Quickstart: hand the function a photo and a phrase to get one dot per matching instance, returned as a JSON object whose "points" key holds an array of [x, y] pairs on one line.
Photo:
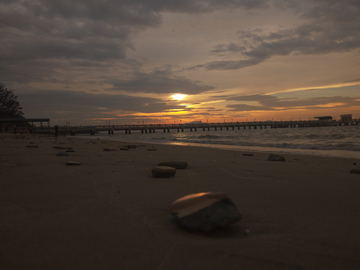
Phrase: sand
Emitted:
{"points": [[110, 213]]}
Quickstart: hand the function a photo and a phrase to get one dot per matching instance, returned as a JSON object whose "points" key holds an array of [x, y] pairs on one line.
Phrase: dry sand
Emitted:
{"points": [[109, 213]]}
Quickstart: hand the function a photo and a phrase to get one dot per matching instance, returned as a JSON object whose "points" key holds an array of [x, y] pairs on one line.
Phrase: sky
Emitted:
{"points": [[88, 62]]}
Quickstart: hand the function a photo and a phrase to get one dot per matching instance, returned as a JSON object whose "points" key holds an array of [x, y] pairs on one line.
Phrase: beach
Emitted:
{"points": [[110, 213]]}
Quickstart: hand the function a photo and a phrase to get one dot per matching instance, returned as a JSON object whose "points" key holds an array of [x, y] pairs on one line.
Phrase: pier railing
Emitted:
{"points": [[179, 127]]}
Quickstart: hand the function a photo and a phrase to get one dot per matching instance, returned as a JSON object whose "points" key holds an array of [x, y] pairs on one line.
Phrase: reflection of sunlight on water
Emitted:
{"points": [[180, 143]]}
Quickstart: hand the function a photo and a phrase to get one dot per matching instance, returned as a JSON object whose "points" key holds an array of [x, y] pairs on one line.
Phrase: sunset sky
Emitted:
{"points": [[154, 61]]}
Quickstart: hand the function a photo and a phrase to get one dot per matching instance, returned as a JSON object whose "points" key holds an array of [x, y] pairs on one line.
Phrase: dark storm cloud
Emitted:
{"points": [[39, 38], [330, 26], [43, 26], [271, 103], [33, 14], [159, 81], [198, 6], [94, 49]]}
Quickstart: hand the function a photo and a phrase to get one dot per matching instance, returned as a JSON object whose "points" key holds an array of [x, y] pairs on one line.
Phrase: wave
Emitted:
{"points": [[209, 137], [299, 139], [283, 145], [158, 139]]}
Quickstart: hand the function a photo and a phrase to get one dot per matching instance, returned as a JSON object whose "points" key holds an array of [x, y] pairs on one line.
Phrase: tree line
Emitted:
{"points": [[9, 104]]}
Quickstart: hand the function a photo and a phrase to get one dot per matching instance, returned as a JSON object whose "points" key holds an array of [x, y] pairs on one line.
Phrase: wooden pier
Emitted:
{"points": [[166, 128]]}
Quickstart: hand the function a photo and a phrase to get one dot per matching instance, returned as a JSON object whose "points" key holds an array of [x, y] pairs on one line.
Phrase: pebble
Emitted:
{"points": [[163, 171], [62, 147], [273, 157], [108, 149], [204, 211], [73, 163], [357, 171]]}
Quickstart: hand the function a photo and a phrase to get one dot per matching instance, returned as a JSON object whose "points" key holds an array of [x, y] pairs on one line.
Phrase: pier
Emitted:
{"points": [[191, 127]]}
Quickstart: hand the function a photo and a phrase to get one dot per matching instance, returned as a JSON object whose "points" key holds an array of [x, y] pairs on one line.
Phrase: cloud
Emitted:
{"points": [[330, 26], [159, 81], [99, 46], [227, 65], [94, 104], [351, 81], [273, 103], [89, 29], [201, 6], [231, 47], [39, 38]]}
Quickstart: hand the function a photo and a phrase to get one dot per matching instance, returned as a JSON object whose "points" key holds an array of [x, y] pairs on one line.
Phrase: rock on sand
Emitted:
{"points": [[273, 157], [163, 171], [73, 163], [174, 164], [204, 211]]}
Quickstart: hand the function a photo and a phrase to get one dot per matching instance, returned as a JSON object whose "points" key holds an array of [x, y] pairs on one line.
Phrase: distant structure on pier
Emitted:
{"points": [[322, 118], [346, 118], [23, 122]]}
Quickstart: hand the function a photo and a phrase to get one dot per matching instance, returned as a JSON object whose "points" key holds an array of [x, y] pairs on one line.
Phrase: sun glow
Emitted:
{"points": [[178, 96]]}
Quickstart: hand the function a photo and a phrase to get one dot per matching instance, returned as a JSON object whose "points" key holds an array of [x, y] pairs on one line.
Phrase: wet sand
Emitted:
{"points": [[110, 213]]}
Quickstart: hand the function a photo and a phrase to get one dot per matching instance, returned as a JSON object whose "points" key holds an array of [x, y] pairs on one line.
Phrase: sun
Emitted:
{"points": [[178, 96]]}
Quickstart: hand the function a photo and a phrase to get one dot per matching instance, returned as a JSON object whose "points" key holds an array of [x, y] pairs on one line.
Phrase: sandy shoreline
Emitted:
{"points": [[109, 213]]}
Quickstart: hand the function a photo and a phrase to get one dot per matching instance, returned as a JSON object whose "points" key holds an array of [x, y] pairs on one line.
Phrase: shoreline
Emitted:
{"points": [[257, 149], [110, 213]]}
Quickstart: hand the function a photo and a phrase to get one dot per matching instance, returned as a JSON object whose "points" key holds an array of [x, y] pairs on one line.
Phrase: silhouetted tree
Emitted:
{"points": [[9, 105]]}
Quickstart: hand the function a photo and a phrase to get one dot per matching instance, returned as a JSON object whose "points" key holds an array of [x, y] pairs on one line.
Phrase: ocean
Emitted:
{"points": [[333, 141]]}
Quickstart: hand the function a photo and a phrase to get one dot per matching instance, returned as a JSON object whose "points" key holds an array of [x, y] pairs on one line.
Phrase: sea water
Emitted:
{"points": [[334, 141]]}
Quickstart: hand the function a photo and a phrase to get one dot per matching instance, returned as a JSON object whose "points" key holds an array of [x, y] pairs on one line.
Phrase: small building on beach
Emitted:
{"points": [[346, 118], [323, 118], [23, 122]]}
